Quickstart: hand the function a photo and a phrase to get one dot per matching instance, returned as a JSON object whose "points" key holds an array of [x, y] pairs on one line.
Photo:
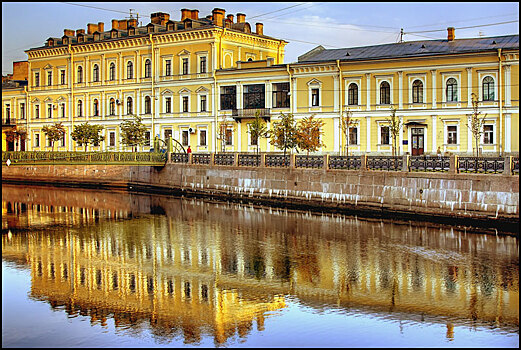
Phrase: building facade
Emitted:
{"points": [[191, 78]]}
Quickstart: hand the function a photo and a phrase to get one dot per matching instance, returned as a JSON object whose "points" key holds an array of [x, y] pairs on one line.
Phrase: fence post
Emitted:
{"points": [[212, 158], [325, 166], [168, 157], [363, 162], [405, 165], [508, 166], [291, 160], [236, 159], [453, 160], [262, 160], [189, 158]]}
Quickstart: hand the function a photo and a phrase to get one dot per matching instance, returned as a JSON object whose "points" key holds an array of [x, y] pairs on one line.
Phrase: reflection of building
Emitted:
{"points": [[207, 265]]}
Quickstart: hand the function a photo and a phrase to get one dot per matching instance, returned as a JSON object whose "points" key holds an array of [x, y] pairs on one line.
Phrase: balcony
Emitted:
{"points": [[238, 114], [8, 121]]}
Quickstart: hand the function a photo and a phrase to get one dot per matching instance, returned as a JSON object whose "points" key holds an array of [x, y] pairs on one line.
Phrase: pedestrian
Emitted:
{"points": [[189, 150], [439, 152]]}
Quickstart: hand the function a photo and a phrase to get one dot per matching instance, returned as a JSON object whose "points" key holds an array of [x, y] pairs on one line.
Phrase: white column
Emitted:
{"points": [[267, 140], [336, 134], [269, 95], [294, 96], [400, 93], [368, 136], [368, 82], [469, 87], [239, 95], [470, 140], [433, 75], [508, 133], [335, 94], [508, 86], [434, 132], [239, 146], [400, 138]]}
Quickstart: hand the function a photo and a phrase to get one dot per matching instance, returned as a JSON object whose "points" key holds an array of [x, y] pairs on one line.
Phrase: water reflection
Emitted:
{"points": [[201, 268]]}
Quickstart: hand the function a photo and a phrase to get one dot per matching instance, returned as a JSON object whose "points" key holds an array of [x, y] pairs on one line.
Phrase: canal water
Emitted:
{"points": [[91, 268]]}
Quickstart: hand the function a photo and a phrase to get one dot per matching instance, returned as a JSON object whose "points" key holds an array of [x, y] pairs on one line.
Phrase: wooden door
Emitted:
{"points": [[417, 135]]}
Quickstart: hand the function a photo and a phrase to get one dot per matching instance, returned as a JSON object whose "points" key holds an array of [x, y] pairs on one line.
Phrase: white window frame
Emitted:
{"points": [[383, 147], [314, 84], [109, 62], [445, 78], [358, 83], [184, 54], [379, 81], [184, 92], [446, 124], [199, 129], [482, 75], [412, 79], [482, 144], [199, 56], [144, 59]]}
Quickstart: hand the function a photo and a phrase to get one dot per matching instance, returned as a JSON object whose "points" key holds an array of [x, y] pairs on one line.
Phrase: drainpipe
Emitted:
{"points": [[26, 117], [291, 96], [500, 106], [71, 107], [340, 106], [215, 110], [220, 48], [153, 102]]}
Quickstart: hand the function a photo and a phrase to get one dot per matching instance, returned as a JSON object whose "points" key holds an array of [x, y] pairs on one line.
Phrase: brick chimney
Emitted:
{"points": [[159, 18], [195, 14], [241, 18], [132, 23], [80, 31], [185, 13], [101, 27], [91, 28], [259, 28], [68, 32], [230, 17], [450, 34], [115, 24], [218, 16]]}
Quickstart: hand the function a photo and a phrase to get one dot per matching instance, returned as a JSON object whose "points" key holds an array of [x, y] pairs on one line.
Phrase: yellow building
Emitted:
{"points": [[186, 77]]}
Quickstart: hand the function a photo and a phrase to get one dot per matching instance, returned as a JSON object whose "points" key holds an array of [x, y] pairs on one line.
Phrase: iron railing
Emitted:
{"points": [[41, 157], [427, 163], [179, 157], [306, 161], [515, 165], [345, 162], [248, 159], [201, 158], [385, 163], [481, 165], [224, 159], [277, 160]]}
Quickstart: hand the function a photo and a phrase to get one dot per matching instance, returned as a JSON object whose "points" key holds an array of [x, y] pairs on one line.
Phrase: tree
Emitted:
{"points": [[283, 134], [133, 132], [347, 122], [308, 134], [16, 134], [257, 129], [395, 127], [476, 122], [222, 131], [85, 134], [54, 132]]}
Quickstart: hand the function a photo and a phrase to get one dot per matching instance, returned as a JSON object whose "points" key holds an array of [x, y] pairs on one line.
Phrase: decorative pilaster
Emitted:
{"points": [[400, 91], [368, 136], [433, 76], [469, 87], [368, 84]]}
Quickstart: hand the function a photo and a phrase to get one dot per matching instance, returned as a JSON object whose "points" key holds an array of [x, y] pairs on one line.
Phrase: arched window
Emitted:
{"points": [[130, 70], [96, 107], [112, 107], [352, 94], [488, 89], [385, 93], [417, 91], [129, 105], [80, 108], [148, 109], [80, 74], [148, 69], [95, 73], [452, 90], [112, 71]]}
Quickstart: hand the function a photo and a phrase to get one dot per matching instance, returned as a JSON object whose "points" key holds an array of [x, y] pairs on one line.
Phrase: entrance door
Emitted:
{"points": [[417, 141]]}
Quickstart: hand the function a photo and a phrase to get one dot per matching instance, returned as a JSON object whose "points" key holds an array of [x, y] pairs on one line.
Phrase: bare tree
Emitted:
{"points": [[395, 127], [346, 123], [476, 122], [222, 131]]}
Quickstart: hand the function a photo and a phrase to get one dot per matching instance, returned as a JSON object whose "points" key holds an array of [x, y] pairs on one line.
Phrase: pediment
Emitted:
{"points": [[201, 89], [314, 82], [183, 52], [184, 91]]}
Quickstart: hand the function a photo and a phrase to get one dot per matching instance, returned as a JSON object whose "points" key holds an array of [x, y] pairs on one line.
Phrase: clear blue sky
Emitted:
{"points": [[304, 25]]}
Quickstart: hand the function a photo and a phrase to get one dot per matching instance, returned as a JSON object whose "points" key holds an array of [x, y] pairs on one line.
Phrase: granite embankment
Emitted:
{"points": [[467, 199]]}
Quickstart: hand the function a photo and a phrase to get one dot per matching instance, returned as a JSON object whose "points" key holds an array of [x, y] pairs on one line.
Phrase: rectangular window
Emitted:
{"points": [[253, 140], [112, 139], [314, 97], [384, 135], [63, 110], [49, 78], [8, 111], [37, 111], [49, 110], [168, 67], [228, 97], [185, 66], [353, 135], [452, 134], [36, 140], [202, 65], [202, 137], [22, 110], [488, 134], [62, 141], [36, 79], [185, 104], [228, 137], [168, 133], [49, 142], [62, 77], [254, 96], [203, 103], [168, 105], [281, 95], [147, 138], [184, 137]]}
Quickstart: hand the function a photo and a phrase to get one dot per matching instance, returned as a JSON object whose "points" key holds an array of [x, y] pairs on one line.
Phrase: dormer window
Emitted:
{"points": [[65, 41], [50, 42], [80, 38], [170, 26], [96, 36], [150, 28], [113, 34], [132, 31]]}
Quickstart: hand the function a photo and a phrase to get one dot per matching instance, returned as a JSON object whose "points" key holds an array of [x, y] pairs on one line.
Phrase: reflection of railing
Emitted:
{"points": [[343, 162], [132, 158], [481, 165], [384, 163], [427, 163]]}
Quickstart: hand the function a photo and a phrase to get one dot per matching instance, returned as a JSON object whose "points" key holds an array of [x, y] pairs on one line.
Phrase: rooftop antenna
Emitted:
{"points": [[401, 35]]}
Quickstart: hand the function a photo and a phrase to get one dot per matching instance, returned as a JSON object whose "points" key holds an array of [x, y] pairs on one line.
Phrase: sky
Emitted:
{"points": [[304, 25]]}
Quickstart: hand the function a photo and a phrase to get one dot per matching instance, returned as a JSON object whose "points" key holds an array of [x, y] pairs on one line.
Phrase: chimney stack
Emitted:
{"points": [[185, 13], [195, 14], [115, 24], [450, 34], [80, 31], [218, 16], [230, 17], [91, 28], [241, 18], [101, 27], [132, 22], [68, 32], [259, 28], [158, 18]]}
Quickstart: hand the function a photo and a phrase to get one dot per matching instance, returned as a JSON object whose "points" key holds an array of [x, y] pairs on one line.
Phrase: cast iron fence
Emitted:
{"points": [[481, 165], [43, 157], [306, 161], [427, 163], [385, 163], [343, 162]]}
